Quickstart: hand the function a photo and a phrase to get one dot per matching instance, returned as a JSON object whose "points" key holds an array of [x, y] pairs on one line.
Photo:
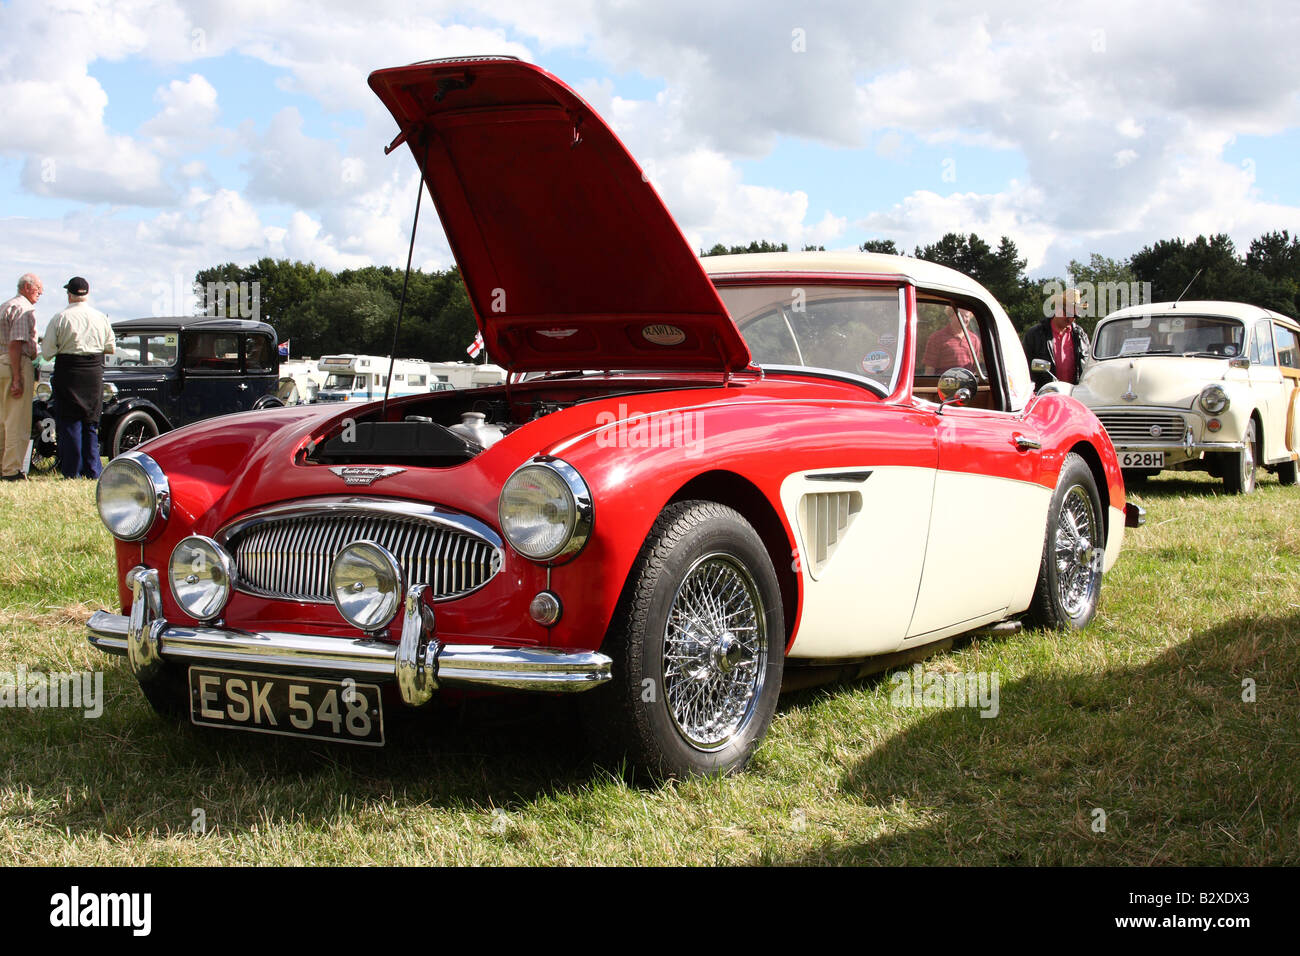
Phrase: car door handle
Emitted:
{"points": [[1025, 443], [243, 387]]}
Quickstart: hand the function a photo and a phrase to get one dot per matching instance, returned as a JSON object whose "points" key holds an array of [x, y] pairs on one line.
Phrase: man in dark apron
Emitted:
{"points": [[78, 338]]}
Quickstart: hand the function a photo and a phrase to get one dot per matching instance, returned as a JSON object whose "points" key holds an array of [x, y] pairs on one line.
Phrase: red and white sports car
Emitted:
{"points": [[700, 476]]}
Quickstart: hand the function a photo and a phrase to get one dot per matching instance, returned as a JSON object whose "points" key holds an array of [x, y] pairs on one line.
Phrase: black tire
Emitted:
{"points": [[1069, 577], [1287, 473], [1240, 467], [705, 710], [133, 429], [45, 452]]}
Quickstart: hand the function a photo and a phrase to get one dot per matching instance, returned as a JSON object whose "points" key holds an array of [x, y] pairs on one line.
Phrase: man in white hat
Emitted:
{"points": [[80, 336], [17, 379]]}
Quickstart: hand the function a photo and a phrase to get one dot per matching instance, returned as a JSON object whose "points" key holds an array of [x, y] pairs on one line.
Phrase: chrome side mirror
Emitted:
{"points": [[1240, 362], [1041, 365], [957, 386]]}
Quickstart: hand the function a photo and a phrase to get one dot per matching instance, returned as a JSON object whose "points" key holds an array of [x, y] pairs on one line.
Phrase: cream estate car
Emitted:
{"points": [[1197, 386]]}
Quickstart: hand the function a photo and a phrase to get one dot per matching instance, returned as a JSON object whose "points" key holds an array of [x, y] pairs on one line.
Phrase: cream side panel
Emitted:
{"points": [[1115, 539], [986, 546], [862, 599]]}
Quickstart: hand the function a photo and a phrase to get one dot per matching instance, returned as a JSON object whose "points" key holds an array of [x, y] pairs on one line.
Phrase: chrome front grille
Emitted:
{"points": [[1135, 427], [287, 553]]}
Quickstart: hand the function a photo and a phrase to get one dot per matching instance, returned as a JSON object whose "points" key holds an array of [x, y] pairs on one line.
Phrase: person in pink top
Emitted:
{"points": [[1060, 340]]}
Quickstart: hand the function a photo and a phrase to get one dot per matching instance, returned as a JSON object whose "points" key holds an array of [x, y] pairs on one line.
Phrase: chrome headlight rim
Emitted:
{"points": [[108, 393], [390, 564], [1210, 398], [160, 504], [43, 391], [584, 513], [221, 558]]}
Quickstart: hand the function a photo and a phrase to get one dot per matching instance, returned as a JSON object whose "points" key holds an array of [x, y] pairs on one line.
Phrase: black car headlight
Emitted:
{"points": [[545, 510], [202, 574], [132, 496], [1214, 399]]}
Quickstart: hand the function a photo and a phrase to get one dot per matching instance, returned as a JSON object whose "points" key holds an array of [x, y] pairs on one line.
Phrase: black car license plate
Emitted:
{"points": [[343, 711]]}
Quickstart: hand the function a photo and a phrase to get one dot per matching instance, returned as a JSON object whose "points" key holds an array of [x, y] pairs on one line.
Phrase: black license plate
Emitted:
{"points": [[343, 711]]}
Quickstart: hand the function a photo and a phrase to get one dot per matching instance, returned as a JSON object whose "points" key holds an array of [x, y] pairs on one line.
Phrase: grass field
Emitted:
{"points": [[1142, 717]]}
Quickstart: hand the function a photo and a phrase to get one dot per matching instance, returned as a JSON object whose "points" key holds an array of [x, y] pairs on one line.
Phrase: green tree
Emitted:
{"points": [[758, 245], [885, 246]]}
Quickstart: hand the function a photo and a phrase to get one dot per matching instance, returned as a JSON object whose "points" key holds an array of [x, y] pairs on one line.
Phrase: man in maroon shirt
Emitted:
{"points": [[1060, 340]]}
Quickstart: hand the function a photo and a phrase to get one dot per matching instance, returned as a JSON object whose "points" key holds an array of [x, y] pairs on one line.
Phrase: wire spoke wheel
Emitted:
{"points": [[1078, 564], [715, 651]]}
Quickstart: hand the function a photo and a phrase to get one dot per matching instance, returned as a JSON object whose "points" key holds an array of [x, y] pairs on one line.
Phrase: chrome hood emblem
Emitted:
{"points": [[363, 474]]}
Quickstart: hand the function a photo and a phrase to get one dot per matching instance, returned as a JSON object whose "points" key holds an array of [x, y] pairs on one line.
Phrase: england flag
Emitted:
{"points": [[476, 346]]}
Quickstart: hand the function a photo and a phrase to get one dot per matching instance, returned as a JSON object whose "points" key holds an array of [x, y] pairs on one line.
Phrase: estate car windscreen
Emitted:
{"points": [[852, 331], [144, 350], [1188, 335]]}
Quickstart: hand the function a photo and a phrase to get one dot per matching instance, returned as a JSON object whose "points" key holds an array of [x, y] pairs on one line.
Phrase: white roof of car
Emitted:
{"points": [[929, 275], [1230, 310]]}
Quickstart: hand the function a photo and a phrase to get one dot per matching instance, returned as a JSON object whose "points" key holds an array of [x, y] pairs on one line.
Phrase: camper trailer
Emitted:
{"points": [[363, 378], [465, 375]]}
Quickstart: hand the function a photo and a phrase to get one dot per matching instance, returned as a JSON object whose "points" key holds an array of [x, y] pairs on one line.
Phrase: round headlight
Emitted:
{"points": [[1214, 399], [132, 496], [545, 510], [43, 392], [202, 574], [366, 581], [108, 393]]}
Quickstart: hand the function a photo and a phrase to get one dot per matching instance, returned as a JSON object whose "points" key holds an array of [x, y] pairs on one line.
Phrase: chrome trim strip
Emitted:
{"points": [[417, 672], [359, 505]]}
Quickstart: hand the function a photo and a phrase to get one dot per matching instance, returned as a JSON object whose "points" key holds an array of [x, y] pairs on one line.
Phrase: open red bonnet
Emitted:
{"points": [[569, 255]]}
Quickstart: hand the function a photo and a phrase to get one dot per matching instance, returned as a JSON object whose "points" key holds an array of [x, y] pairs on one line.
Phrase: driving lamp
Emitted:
{"points": [[201, 577], [366, 582]]}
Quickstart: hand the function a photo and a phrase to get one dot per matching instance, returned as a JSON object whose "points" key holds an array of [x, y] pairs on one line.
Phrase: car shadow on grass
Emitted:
{"points": [[1167, 756]]}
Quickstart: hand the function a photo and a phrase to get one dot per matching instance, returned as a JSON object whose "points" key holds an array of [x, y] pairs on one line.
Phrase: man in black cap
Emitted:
{"points": [[78, 338]]}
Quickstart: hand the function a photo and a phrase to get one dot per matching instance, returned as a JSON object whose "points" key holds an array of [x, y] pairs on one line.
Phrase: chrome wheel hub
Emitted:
{"points": [[1077, 551], [715, 652]]}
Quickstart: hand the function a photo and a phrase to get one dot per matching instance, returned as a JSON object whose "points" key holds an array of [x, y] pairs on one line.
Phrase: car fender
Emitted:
{"points": [[115, 412]]}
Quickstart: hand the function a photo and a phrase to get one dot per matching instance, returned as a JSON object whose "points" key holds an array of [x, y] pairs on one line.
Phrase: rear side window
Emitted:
{"points": [[258, 354], [211, 351], [1288, 348]]}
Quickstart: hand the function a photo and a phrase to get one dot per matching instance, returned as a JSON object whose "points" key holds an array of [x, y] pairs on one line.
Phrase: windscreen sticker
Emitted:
{"points": [[1135, 345], [876, 361], [169, 340]]}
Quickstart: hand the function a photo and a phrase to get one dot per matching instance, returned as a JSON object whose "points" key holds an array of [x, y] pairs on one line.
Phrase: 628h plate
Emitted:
{"points": [[1142, 459], [342, 711]]}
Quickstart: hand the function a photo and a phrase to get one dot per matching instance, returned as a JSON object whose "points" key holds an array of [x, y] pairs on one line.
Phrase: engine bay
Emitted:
{"points": [[444, 429]]}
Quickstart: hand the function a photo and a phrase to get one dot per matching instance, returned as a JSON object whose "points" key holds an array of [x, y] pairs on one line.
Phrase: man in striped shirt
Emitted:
{"points": [[17, 379]]}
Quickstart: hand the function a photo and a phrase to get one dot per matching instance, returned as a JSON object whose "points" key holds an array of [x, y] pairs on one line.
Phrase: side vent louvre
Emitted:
{"points": [[824, 519]]}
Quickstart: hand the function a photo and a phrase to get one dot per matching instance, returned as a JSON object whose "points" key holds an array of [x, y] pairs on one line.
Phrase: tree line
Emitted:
{"points": [[355, 310]]}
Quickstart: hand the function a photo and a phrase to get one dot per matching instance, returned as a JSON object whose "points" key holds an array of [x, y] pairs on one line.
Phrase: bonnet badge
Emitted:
{"points": [[364, 475]]}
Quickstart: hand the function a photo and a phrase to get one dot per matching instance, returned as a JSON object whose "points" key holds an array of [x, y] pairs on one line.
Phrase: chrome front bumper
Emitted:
{"points": [[1183, 451], [418, 663]]}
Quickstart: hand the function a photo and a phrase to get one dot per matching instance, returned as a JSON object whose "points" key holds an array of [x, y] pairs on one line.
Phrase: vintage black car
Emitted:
{"points": [[168, 372]]}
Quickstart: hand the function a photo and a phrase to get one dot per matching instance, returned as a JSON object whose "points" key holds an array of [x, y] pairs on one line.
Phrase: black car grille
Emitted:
{"points": [[290, 557]]}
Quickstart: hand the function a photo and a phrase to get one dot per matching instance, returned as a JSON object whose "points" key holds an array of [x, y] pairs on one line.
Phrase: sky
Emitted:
{"points": [[142, 141]]}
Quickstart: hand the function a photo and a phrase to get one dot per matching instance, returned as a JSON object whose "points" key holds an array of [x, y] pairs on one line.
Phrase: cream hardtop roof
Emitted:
{"points": [[1229, 310], [926, 275]]}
